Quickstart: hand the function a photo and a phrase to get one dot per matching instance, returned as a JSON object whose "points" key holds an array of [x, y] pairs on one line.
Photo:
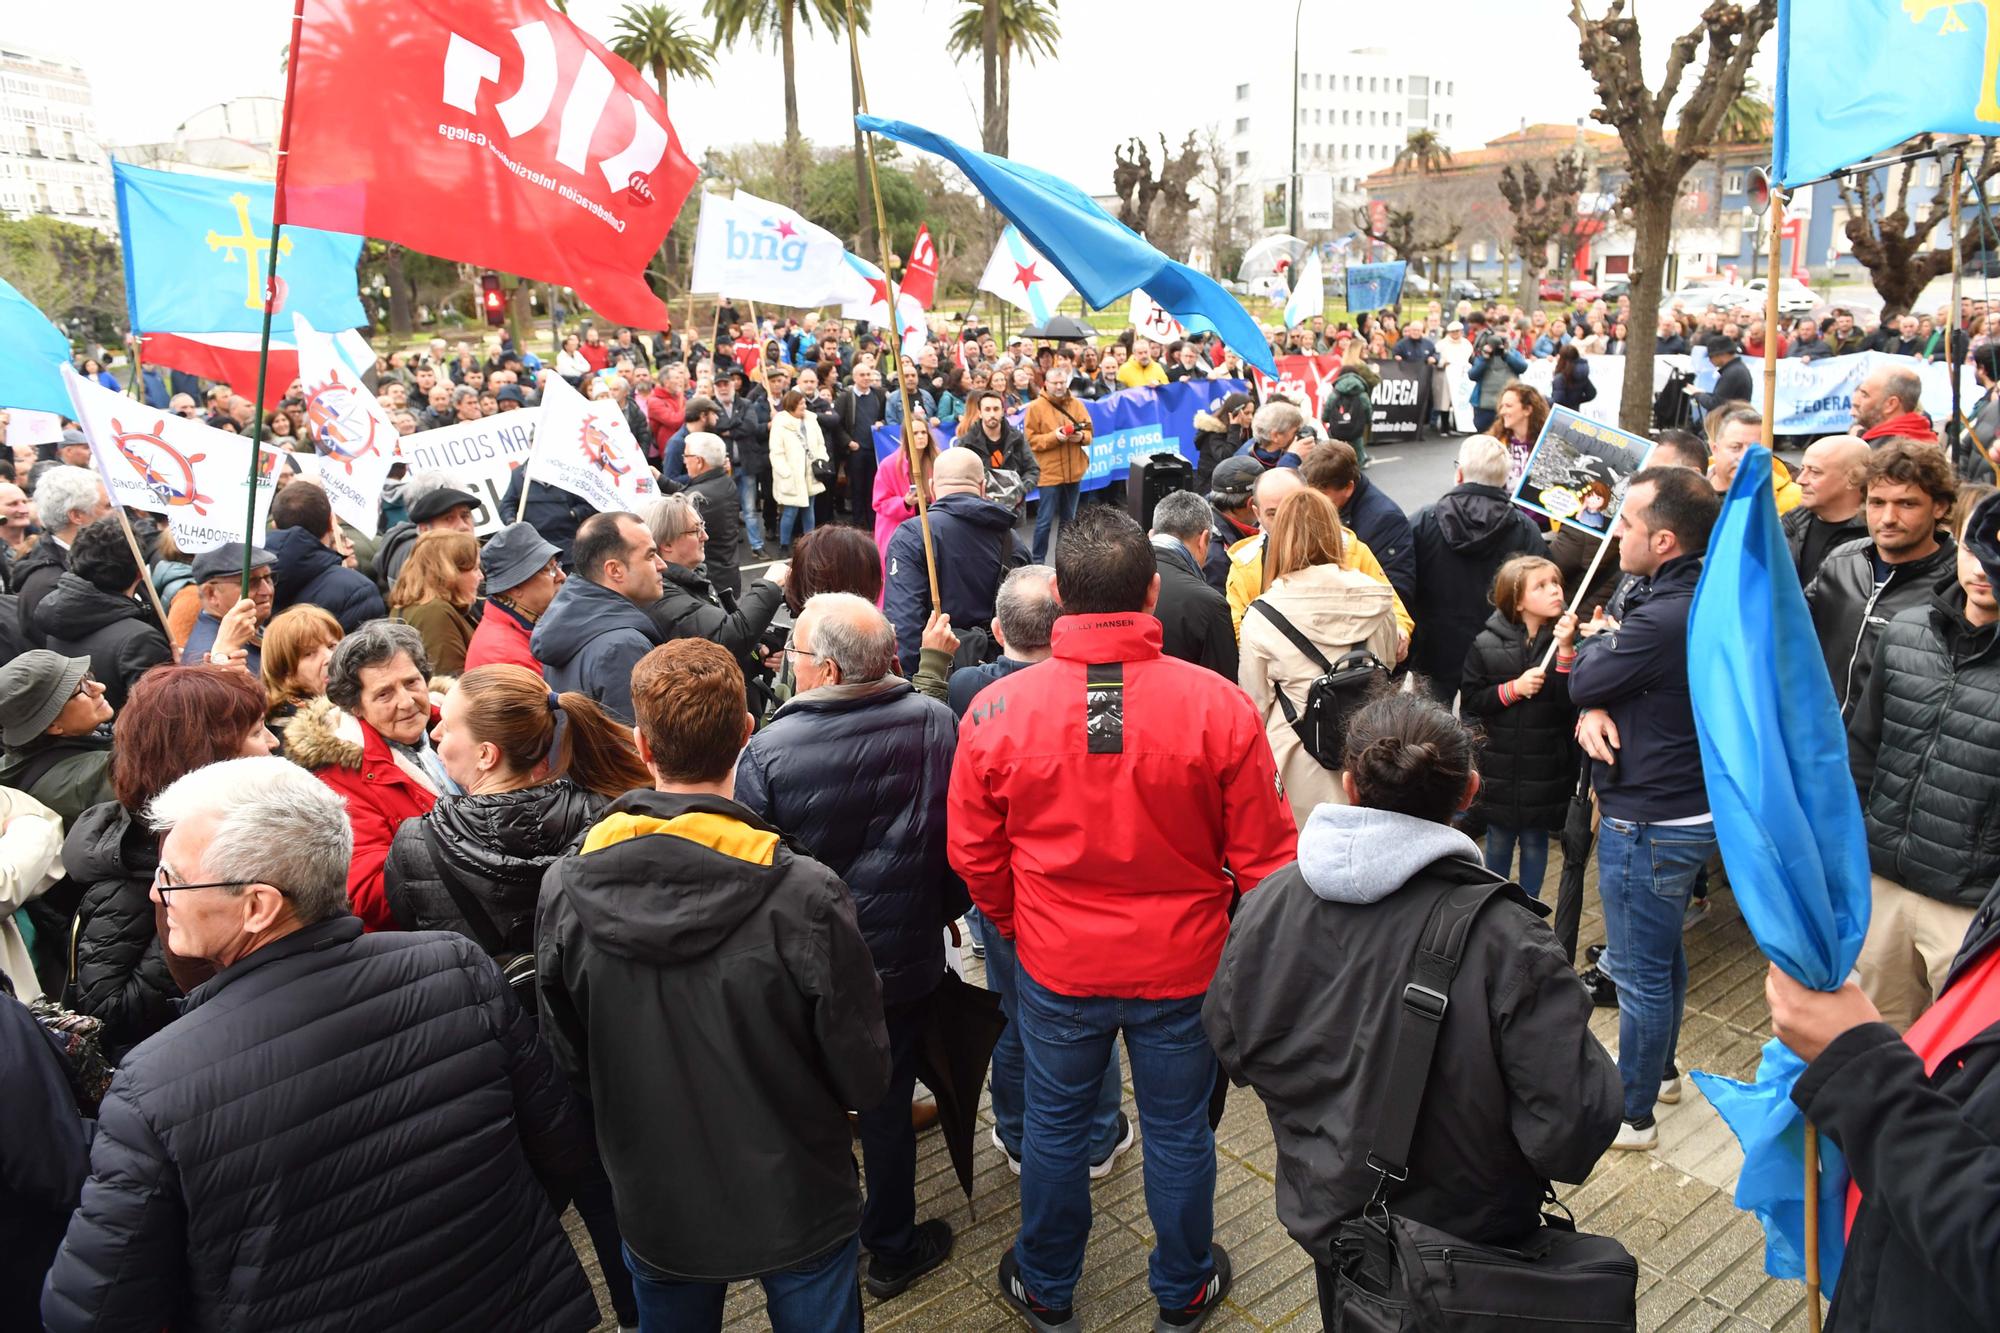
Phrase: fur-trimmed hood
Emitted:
{"points": [[321, 735]]}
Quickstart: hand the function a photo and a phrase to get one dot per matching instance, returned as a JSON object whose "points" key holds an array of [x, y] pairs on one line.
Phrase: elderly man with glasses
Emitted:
{"points": [[325, 1089]]}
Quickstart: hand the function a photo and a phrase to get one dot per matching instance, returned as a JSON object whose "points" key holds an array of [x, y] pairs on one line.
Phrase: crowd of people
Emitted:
{"points": [[366, 913]]}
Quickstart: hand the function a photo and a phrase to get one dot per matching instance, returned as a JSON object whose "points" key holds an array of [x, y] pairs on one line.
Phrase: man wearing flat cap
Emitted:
{"points": [[523, 571], [432, 501], [230, 623]]}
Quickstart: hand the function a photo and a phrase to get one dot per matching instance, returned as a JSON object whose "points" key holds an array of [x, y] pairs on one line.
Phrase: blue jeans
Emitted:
{"points": [[1534, 845], [1644, 872], [822, 1295], [746, 497], [1005, 1079], [1056, 502], [795, 516], [1066, 1042]]}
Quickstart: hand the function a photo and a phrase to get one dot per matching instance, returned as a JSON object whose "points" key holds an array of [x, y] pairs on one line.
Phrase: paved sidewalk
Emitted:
{"points": [[1700, 1260]]}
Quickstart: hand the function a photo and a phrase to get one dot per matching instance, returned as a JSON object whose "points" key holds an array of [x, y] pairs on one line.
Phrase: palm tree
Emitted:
{"points": [[653, 38], [1748, 118], [997, 31], [1424, 153], [760, 20]]}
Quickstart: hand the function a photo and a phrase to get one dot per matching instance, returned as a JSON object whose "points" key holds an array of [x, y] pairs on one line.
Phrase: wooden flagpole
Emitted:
{"points": [[270, 293], [145, 574], [1811, 1155], [895, 327]]}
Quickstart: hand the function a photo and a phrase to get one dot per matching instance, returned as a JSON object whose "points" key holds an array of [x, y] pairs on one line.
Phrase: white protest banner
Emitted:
{"points": [[27, 428], [749, 247], [480, 456], [1308, 298], [150, 459], [1151, 320], [586, 448], [350, 431]]}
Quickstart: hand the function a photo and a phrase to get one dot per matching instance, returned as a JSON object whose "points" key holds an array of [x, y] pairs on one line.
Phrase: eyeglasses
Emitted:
{"points": [[83, 686], [166, 882], [792, 647]]}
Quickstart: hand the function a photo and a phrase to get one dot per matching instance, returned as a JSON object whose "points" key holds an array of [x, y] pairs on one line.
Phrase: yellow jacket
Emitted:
{"points": [[1790, 497], [1246, 575]]}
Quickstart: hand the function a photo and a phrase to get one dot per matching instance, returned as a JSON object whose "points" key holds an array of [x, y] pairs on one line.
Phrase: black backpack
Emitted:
{"points": [[1334, 696]]}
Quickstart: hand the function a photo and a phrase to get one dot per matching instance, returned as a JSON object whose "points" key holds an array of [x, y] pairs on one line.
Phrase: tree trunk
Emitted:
{"points": [[1653, 228], [794, 164], [399, 291], [864, 202], [1006, 94], [992, 130]]}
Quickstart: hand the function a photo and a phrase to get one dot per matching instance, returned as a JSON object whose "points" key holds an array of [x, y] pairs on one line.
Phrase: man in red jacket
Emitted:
{"points": [[1105, 806], [522, 575]]}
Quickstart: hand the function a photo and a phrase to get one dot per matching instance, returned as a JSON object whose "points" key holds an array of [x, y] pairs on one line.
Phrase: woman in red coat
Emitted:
{"points": [[368, 740]]}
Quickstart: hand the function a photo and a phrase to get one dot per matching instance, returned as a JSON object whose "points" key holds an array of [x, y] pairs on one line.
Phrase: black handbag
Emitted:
{"points": [[1335, 695], [1391, 1274]]}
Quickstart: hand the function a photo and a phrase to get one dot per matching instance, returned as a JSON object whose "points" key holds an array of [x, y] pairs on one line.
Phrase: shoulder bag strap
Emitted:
{"points": [[484, 929], [1426, 997], [1300, 642]]}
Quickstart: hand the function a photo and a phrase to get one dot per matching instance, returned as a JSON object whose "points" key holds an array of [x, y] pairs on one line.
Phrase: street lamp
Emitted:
{"points": [[1292, 183]]}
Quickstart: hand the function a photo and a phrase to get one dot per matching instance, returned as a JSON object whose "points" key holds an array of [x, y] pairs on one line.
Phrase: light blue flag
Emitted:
{"points": [[1856, 77], [1774, 757], [1102, 257], [196, 248], [32, 355], [1375, 286]]}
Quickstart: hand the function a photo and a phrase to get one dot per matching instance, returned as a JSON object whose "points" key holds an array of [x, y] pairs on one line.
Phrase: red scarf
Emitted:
{"points": [[1971, 1006]]}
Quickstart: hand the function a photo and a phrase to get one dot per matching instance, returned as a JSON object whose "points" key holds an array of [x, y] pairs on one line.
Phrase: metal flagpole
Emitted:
{"points": [[1771, 320], [895, 328], [270, 294]]}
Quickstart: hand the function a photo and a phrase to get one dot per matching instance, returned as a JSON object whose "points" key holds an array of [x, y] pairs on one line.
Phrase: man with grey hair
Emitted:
{"points": [[1194, 618], [975, 546], [713, 492], [1889, 402], [324, 1084], [856, 766], [67, 499], [1461, 539], [432, 499], [1273, 431], [1024, 620]]}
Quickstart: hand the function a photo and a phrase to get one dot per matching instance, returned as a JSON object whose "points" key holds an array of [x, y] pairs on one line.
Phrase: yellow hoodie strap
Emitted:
{"points": [[719, 833]]}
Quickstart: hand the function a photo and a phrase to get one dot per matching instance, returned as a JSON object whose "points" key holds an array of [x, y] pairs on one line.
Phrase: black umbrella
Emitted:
{"points": [[1062, 327], [952, 1057], [1576, 840]]}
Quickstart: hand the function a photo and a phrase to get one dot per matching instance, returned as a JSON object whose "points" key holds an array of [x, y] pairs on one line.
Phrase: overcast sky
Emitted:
{"points": [[1126, 67]]}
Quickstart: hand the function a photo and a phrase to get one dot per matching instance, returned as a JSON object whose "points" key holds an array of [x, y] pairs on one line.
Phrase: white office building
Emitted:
{"points": [[51, 162], [1355, 111]]}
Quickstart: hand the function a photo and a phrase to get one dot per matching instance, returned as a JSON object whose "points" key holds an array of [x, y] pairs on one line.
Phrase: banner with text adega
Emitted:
{"points": [[1126, 427], [1402, 397]]}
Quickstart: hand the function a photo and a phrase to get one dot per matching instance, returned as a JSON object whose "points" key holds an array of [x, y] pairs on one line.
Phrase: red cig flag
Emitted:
{"points": [[493, 132], [920, 274]]}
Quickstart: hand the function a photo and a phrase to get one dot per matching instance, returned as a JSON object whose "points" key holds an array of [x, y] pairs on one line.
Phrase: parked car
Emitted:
{"points": [[1615, 288], [1698, 296], [1794, 297], [1465, 289], [1575, 292]]}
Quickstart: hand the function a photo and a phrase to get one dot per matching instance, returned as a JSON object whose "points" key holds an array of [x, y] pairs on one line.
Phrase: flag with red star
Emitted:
{"points": [[1020, 276], [756, 250]]}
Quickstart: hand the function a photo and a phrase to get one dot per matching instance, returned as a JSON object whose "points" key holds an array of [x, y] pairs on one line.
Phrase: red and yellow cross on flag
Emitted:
{"points": [[193, 475]]}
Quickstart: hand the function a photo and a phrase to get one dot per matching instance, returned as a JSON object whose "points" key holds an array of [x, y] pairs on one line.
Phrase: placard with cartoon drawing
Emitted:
{"points": [[1578, 471]]}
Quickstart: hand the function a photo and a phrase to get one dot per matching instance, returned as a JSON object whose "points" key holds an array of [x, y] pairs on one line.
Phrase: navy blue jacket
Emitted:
{"points": [[975, 545], [1380, 522], [966, 682], [1638, 673], [310, 573], [858, 775], [589, 639], [552, 511], [1250, 450]]}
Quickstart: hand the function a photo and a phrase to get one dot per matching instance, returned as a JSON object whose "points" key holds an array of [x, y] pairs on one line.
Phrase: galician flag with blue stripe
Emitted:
{"points": [[1019, 275], [1858, 77], [867, 297]]}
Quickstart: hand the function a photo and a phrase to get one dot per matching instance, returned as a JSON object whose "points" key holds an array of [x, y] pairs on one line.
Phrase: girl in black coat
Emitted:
{"points": [[1528, 762]]}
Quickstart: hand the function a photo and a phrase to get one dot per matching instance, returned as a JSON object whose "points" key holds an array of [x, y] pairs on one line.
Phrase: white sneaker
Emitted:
{"points": [[1637, 1137], [1013, 1162], [1099, 1170], [1670, 1091]]}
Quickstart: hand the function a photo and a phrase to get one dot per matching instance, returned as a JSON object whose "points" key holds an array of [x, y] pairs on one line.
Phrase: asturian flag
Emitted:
{"points": [[868, 299], [1308, 298], [196, 251], [749, 247], [1021, 277], [920, 274], [198, 477], [586, 448], [351, 433]]}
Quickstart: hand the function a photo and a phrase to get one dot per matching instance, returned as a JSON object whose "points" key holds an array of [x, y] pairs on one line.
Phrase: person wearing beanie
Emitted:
{"points": [[523, 570]]}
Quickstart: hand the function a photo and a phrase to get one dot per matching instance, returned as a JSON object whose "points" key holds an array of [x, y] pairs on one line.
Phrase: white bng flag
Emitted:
{"points": [[195, 475], [585, 448], [350, 431], [749, 247]]}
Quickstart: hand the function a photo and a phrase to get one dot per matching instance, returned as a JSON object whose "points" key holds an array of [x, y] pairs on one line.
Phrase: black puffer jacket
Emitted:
{"points": [[342, 1131], [689, 609], [714, 496], [310, 573], [1922, 746], [858, 774], [121, 972], [1848, 611], [117, 633], [1305, 1005], [1461, 541], [498, 846], [1528, 761], [33, 575], [553, 512]]}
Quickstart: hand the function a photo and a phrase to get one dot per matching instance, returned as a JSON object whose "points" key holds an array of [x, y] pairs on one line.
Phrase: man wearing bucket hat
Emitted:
{"points": [[522, 574]]}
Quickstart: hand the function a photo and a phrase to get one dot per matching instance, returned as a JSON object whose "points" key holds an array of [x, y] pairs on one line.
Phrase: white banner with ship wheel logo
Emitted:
{"points": [[198, 477], [586, 448], [350, 432]]}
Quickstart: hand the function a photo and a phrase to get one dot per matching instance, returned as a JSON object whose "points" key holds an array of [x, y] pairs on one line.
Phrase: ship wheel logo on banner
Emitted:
{"points": [[167, 472], [597, 448], [342, 427]]}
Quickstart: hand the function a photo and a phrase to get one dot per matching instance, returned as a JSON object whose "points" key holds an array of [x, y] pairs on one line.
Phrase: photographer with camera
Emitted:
{"points": [[1495, 365]]}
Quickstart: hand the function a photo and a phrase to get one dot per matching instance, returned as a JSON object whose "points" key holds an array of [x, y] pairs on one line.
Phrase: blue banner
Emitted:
{"points": [[1126, 426], [196, 248], [32, 355], [1375, 286]]}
